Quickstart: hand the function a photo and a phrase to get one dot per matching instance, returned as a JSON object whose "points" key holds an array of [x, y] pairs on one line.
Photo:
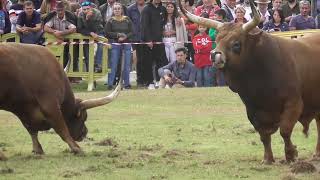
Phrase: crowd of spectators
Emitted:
{"points": [[149, 31]]}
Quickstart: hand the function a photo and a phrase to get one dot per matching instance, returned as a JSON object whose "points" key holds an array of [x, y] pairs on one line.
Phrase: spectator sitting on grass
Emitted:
{"points": [[177, 74]]}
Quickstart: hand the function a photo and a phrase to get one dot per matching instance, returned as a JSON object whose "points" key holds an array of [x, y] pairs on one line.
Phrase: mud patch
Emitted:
{"points": [[151, 148], [108, 142], [96, 168], [172, 153], [159, 177], [302, 167], [70, 174], [114, 153], [145, 156], [6, 170]]}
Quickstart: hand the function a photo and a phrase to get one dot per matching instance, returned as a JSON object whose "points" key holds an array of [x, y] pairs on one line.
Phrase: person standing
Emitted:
{"points": [[134, 13], [119, 30], [152, 21]]}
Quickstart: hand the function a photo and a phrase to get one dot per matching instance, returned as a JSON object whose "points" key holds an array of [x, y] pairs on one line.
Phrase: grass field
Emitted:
{"points": [[161, 134]]}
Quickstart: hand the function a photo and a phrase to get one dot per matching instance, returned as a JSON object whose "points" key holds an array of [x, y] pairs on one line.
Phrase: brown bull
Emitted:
{"points": [[35, 88], [277, 79]]}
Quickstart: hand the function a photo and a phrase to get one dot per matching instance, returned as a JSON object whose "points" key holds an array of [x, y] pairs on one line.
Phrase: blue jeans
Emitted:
{"points": [[204, 76], [31, 38], [220, 78], [116, 51]]}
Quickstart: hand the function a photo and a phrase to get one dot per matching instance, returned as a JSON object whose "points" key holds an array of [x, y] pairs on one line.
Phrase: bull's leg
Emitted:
{"points": [[55, 117], [268, 155], [37, 148], [317, 154], [2, 157], [288, 119]]}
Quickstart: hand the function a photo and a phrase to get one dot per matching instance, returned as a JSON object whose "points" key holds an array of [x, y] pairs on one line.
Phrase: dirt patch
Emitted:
{"points": [[114, 153], [95, 168], [6, 170], [302, 167], [159, 177], [213, 162], [172, 153], [70, 174], [151, 148], [108, 142], [145, 156], [251, 131]]}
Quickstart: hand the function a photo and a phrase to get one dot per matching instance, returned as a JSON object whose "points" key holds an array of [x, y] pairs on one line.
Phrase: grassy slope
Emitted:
{"points": [[162, 134]]}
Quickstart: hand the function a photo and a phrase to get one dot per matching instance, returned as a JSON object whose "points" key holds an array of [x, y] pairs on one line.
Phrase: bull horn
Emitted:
{"points": [[200, 20], [254, 21], [91, 103]]}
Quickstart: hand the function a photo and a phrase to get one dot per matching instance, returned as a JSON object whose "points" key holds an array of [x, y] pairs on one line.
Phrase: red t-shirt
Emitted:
{"points": [[202, 45]]}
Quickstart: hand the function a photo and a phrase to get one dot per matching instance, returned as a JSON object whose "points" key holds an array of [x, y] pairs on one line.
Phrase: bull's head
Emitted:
{"points": [[231, 40], [77, 118]]}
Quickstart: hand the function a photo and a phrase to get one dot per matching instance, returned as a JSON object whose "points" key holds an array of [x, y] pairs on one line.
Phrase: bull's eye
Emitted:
{"points": [[236, 47]]}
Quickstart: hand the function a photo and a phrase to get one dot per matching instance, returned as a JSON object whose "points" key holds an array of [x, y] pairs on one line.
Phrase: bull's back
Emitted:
{"points": [[26, 71], [306, 54]]}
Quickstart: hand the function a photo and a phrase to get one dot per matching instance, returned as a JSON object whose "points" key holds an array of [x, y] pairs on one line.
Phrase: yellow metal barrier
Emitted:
{"points": [[81, 71], [295, 34]]}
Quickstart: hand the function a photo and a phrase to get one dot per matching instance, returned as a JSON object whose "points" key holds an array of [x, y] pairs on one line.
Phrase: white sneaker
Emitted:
{"points": [[167, 86], [151, 87], [157, 84]]}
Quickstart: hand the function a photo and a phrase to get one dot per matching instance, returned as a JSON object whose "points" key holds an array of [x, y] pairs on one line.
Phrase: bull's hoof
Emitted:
{"points": [[291, 154], [316, 157], [267, 161], [77, 151], [38, 152]]}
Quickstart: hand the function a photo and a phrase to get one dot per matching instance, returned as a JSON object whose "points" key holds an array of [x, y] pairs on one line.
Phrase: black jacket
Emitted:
{"points": [[152, 22]]}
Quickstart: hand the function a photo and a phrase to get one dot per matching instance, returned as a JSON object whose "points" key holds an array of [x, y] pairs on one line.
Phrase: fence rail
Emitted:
{"points": [[76, 42]]}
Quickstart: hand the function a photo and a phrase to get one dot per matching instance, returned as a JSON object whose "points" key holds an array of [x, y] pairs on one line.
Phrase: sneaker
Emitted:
{"points": [[151, 87], [157, 84], [127, 87], [167, 86], [109, 87]]}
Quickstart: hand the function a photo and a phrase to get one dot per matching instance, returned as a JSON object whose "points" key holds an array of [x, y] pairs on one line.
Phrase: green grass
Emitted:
{"points": [[162, 134]]}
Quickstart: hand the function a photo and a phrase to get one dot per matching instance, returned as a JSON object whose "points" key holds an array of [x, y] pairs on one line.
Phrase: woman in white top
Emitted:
{"points": [[174, 31]]}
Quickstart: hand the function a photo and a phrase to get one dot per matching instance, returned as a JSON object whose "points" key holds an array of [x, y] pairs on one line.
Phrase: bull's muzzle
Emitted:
{"points": [[217, 59]]}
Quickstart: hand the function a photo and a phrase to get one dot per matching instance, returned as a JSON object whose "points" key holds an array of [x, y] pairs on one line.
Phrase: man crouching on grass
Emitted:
{"points": [[179, 73]]}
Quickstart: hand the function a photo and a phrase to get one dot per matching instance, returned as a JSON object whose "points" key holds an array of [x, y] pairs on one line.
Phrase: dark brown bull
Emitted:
{"points": [[35, 88], [277, 79]]}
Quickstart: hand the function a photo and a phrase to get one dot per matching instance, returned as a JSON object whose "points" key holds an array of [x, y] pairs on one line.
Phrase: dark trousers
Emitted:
{"points": [[66, 56], [152, 60], [139, 67]]}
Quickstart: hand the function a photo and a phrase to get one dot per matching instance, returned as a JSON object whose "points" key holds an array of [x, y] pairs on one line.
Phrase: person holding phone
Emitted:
{"points": [[277, 23]]}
